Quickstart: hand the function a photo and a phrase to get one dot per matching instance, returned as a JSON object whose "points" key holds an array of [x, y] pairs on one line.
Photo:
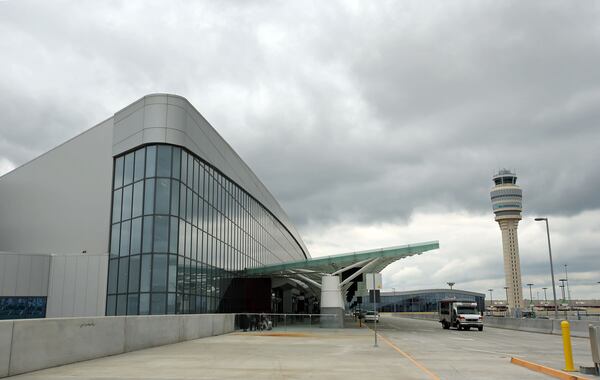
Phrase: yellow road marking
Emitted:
{"points": [[546, 370], [406, 355]]}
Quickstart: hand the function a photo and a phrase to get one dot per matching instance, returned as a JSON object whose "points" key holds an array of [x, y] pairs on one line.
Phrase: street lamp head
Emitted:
{"points": [[506, 287], [540, 219]]}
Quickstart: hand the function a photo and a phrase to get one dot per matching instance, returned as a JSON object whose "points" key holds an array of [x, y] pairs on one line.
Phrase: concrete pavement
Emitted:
{"points": [[408, 349]]}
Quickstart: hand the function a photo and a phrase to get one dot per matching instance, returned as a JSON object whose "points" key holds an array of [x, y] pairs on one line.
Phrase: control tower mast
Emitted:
{"points": [[507, 204]]}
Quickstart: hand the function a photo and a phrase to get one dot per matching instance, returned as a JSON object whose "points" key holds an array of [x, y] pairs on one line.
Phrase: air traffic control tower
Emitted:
{"points": [[507, 204]]}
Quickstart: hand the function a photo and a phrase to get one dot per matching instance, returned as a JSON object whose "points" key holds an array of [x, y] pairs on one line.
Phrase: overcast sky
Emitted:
{"points": [[373, 123]]}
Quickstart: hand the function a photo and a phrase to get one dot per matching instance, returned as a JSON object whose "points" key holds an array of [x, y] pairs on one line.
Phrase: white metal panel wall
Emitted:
{"points": [[23, 275], [60, 202], [77, 285]]}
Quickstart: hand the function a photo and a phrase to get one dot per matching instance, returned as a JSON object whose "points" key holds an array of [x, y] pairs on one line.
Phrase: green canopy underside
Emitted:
{"points": [[330, 264]]}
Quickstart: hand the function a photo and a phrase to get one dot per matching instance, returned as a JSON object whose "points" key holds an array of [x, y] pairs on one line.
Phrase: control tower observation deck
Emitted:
{"points": [[507, 204]]}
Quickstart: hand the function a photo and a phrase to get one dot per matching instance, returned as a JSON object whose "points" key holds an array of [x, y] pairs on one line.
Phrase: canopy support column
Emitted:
{"points": [[331, 302]]}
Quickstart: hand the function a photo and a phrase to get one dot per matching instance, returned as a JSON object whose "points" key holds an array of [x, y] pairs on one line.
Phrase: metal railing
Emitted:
{"points": [[281, 321]]}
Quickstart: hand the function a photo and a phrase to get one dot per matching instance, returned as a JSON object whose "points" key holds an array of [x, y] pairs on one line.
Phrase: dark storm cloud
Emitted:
{"points": [[347, 111]]}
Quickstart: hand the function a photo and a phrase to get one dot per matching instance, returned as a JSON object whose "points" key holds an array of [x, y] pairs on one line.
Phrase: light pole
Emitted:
{"points": [[451, 284], [545, 301], [491, 299], [568, 288], [394, 289], [530, 296], [551, 265], [545, 296], [562, 288]]}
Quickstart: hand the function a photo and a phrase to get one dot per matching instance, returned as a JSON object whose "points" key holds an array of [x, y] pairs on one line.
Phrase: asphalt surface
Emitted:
{"points": [[453, 354]]}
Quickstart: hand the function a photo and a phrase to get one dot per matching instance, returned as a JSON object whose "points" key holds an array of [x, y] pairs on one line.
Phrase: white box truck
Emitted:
{"points": [[460, 314]]}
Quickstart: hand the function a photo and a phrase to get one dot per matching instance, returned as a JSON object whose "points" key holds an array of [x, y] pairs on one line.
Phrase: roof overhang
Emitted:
{"points": [[377, 259]]}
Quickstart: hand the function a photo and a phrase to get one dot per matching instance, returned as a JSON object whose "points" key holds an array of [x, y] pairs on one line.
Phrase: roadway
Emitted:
{"points": [[453, 354]]}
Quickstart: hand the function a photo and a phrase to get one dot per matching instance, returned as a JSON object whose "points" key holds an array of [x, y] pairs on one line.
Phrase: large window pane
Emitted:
{"points": [[136, 236], [176, 162], [149, 197], [182, 201], [159, 273], [150, 161], [196, 164], [145, 273], [134, 274], [162, 195], [161, 233], [127, 202], [173, 235], [144, 304], [114, 240], [112, 276], [138, 199], [123, 274], [164, 161], [111, 308], [125, 228], [175, 197], [171, 303], [140, 158], [119, 172], [158, 303], [132, 304], [116, 211], [148, 234], [128, 172], [121, 304], [184, 160], [172, 273]]}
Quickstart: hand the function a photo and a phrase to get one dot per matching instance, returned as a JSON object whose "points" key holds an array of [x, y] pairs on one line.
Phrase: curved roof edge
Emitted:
{"points": [[172, 119], [425, 291]]}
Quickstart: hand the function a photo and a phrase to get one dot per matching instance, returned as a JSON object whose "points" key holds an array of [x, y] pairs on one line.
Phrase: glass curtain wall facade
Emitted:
{"points": [[422, 302], [180, 231]]}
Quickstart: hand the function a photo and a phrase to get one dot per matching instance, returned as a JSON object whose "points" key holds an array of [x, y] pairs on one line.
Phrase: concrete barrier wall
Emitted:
{"points": [[29, 345], [6, 328]]}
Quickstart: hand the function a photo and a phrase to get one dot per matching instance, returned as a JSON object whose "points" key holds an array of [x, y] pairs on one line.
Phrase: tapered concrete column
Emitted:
{"points": [[332, 302]]}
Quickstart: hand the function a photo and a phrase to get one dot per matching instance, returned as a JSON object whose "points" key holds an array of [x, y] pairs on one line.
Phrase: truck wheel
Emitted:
{"points": [[445, 325], [467, 328], [459, 327], [480, 328]]}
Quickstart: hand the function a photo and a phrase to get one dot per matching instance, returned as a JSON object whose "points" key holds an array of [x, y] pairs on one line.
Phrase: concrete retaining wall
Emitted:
{"points": [[29, 345], [547, 326]]}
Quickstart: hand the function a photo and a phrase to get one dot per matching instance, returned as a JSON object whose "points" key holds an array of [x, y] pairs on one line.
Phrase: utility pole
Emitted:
{"points": [[491, 299]]}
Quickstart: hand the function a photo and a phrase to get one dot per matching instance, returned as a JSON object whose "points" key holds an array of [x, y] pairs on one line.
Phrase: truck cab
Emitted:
{"points": [[460, 314]]}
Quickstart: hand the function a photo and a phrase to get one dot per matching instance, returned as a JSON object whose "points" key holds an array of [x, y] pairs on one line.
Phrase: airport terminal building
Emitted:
{"points": [[152, 212], [148, 212]]}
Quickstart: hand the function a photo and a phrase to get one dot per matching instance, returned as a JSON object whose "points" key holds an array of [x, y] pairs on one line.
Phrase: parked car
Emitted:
{"points": [[371, 316]]}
